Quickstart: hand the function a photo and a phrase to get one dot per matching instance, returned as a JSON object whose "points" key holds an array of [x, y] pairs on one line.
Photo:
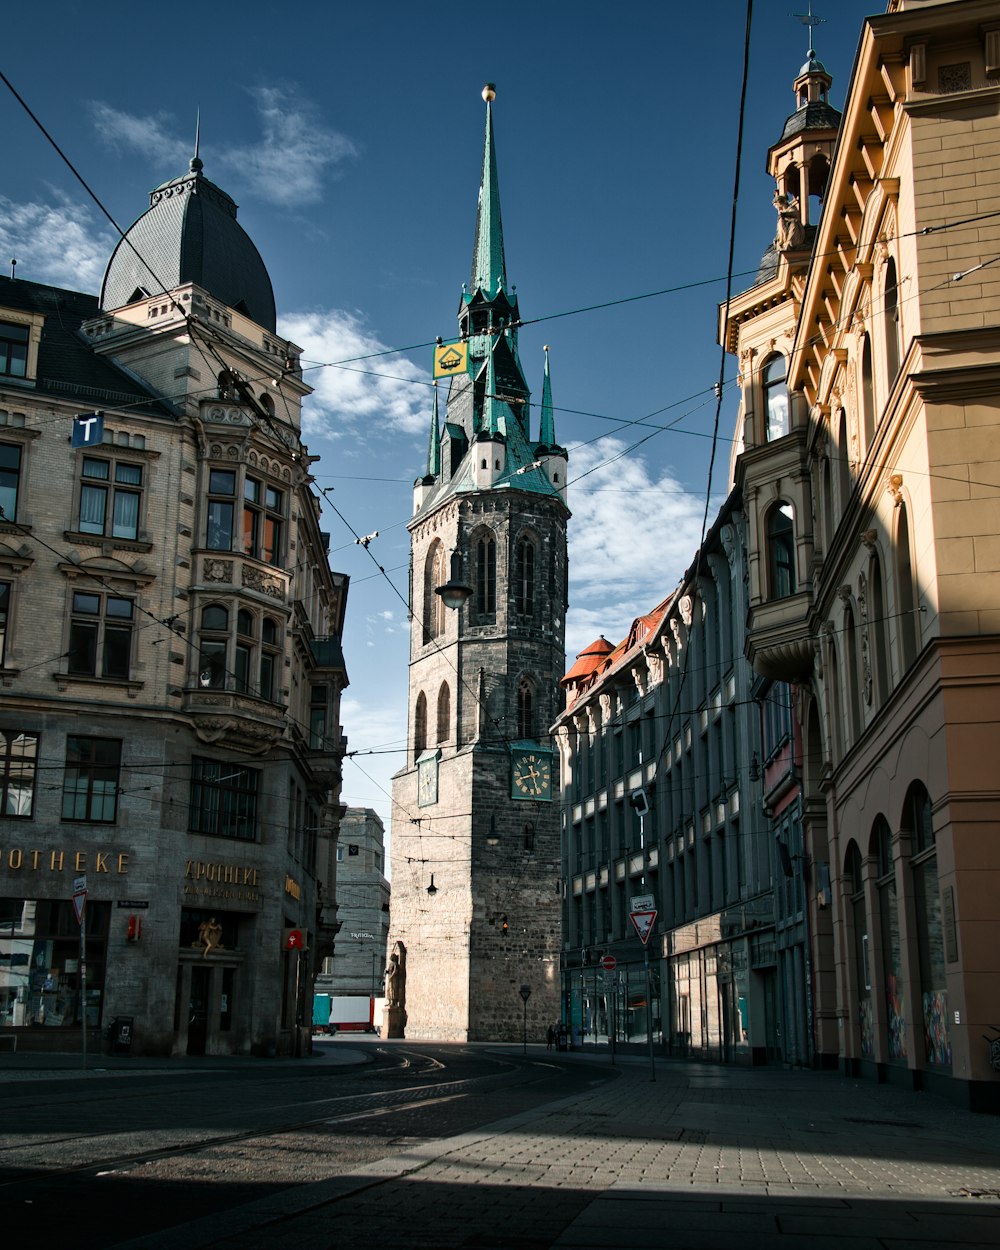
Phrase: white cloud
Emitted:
{"points": [[150, 136], [58, 243], [286, 165], [631, 538], [295, 152], [386, 393]]}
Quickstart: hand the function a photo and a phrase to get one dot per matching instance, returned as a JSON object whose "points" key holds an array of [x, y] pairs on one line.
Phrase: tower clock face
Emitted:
{"points": [[531, 775], [427, 781]]}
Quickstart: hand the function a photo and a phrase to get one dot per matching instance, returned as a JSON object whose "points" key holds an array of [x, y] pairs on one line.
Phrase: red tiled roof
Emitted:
{"points": [[589, 660]]}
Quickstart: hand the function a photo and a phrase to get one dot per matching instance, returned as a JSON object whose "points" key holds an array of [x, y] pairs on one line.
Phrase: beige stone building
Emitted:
{"points": [[869, 359], [358, 965], [475, 831], [170, 654]]}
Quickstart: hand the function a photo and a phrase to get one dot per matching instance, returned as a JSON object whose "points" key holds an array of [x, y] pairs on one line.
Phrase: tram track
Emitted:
{"points": [[342, 1110]]}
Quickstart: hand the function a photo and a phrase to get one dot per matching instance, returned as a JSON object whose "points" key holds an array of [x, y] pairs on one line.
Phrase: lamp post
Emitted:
{"points": [[525, 992], [454, 592]]}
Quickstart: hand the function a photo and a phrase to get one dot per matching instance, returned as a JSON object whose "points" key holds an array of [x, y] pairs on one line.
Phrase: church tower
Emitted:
{"points": [[475, 830]]}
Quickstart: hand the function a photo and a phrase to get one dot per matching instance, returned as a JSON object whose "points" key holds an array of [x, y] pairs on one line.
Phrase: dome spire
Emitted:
{"points": [[196, 162], [547, 430], [434, 449], [489, 273]]}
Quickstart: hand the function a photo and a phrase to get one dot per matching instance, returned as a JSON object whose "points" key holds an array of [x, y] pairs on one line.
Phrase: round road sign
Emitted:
{"points": [[609, 963]]}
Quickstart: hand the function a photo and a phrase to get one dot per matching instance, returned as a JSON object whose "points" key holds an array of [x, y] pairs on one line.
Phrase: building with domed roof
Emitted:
{"points": [[170, 652]]}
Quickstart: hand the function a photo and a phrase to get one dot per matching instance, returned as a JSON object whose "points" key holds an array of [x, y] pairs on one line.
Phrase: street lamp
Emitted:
{"points": [[454, 592], [525, 992]]}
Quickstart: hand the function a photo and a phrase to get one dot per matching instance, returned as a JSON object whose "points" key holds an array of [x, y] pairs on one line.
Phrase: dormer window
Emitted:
{"points": [[14, 349]]}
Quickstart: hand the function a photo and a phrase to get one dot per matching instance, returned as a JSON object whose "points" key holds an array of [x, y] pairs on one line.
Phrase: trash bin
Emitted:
{"points": [[562, 1038], [122, 1033]]}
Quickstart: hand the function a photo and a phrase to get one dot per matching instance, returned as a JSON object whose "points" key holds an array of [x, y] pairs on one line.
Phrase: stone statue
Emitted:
{"points": [[209, 937], [395, 977], [790, 233]]}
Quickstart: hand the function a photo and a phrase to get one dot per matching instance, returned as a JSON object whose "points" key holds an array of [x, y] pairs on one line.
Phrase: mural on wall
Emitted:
{"points": [[936, 1034], [866, 1018], [896, 1021]]}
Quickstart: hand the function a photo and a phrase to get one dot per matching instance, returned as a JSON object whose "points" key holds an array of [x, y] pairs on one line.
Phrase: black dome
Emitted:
{"points": [[190, 233]]}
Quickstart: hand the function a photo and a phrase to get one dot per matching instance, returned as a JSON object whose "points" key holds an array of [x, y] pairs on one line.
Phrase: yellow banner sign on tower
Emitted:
{"points": [[451, 358]]}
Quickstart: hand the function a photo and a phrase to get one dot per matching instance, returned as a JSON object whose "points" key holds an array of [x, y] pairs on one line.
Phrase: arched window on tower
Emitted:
{"points": [[891, 322], [524, 578], [420, 727], [781, 550], [433, 604], [774, 379], [444, 712], [526, 709], [486, 579]]}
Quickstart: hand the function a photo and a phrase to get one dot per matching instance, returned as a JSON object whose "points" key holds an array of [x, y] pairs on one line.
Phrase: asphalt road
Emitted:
{"points": [[90, 1163]]}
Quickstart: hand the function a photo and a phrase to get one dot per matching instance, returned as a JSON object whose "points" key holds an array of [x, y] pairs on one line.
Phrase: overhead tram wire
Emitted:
{"points": [[722, 363]]}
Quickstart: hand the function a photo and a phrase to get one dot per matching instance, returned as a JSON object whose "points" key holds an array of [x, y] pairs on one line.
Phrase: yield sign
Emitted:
{"points": [[643, 921]]}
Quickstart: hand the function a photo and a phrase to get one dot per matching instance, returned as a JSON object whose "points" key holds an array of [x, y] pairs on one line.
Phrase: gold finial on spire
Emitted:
{"points": [[490, 92]]}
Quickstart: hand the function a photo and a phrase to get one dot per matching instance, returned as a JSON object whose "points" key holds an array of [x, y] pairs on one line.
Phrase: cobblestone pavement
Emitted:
{"points": [[704, 1158]]}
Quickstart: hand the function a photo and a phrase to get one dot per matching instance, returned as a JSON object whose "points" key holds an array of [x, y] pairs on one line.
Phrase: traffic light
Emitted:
{"points": [[504, 926]]}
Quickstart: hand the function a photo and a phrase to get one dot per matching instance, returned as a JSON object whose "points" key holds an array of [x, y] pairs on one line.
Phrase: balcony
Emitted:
{"points": [[779, 641], [234, 719]]}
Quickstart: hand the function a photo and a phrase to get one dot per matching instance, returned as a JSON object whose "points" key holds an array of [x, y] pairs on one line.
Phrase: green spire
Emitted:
{"points": [[547, 432], [489, 273], [434, 450], [491, 422]]}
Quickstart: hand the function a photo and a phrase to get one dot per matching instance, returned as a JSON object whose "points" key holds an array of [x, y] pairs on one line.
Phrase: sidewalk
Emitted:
{"points": [[704, 1158]]}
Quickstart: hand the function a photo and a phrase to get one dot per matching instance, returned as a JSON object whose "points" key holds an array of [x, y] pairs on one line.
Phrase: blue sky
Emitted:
{"points": [[351, 137]]}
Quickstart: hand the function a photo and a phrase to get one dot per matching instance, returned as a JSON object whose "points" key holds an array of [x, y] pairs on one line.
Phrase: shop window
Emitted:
{"points": [[486, 579], [880, 849], [10, 480], [263, 510], [100, 636], [776, 407], [91, 779], [18, 767], [40, 963], [14, 349], [443, 712], [781, 550], [110, 498], [918, 822], [524, 578], [5, 597], [223, 800]]}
